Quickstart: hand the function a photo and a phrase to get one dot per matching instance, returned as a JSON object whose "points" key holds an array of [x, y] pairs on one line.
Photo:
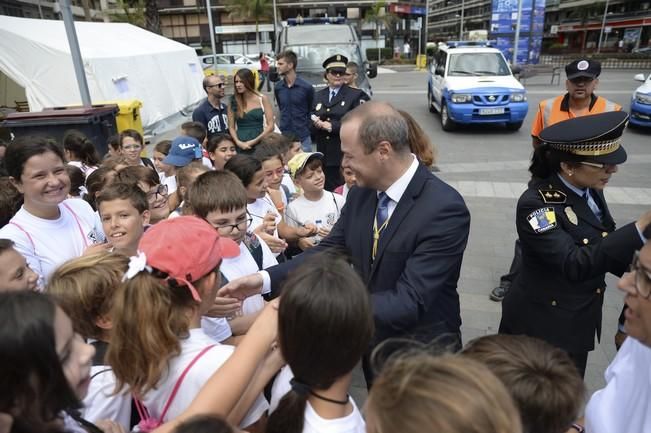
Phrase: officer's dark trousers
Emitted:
{"points": [[514, 270], [333, 177]]}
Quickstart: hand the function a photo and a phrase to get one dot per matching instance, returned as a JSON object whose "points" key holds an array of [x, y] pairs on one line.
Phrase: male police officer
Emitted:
{"points": [[330, 105]]}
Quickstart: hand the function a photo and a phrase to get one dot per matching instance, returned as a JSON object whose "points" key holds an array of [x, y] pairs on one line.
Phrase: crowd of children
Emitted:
{"points": [[111, 318]]}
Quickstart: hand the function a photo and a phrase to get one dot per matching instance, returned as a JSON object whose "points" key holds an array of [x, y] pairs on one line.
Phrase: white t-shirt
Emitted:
{"points": [[244, 264], [623, 406], [259, 208], [85, 169], [313, 423], [207, 162], [170, 181], [101, 402], [156, 399], [323, 213], [46, 244], [289, 183]]}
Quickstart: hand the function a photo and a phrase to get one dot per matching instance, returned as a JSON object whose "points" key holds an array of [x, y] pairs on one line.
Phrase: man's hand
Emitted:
{"points": [[276, 245], [242, 288], [224, 307], [305, 243]]}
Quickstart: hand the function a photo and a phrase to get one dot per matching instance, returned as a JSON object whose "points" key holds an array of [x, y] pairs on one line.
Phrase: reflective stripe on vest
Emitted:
{"points": [[547, 111], [610, 106]]}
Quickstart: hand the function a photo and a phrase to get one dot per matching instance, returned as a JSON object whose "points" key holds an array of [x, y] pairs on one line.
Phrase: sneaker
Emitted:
{"points": [[499, 293]]}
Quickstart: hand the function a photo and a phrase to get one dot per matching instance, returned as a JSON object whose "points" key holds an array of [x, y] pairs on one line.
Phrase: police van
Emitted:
{"points": [[471, 82], [314, 40]]}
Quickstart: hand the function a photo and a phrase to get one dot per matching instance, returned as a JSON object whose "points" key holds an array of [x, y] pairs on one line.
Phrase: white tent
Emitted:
{"points": [[121, 61]]}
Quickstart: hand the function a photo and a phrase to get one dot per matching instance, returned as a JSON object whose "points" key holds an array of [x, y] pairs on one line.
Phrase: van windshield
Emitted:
{"points": [[312, 56], [477, 64]]}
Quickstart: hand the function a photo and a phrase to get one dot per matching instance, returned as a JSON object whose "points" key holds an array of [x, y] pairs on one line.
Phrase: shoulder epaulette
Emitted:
{"points": [[552, 196]]}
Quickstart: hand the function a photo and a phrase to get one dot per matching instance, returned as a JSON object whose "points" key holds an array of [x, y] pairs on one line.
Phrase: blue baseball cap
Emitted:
{"points": [[183, 151]]}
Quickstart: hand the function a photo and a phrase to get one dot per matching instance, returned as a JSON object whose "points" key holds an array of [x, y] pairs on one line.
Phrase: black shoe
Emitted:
{"points": [[499, 293]]}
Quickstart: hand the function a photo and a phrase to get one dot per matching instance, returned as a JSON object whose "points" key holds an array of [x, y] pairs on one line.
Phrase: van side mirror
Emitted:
{"points": [[372, 70], [639, 77], [516, 69], [439, 70], [273, 74]]}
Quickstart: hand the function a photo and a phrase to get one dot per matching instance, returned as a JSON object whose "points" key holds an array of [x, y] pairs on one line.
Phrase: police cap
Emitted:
{"points": [[583, 68], [595, 137], [335, 62]]}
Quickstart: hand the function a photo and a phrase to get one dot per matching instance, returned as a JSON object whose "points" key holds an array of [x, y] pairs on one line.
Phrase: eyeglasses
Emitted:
{"points": [[220, 85], [161, 190], [336, 72], [642, 277], [227, 229], [595, 164]]}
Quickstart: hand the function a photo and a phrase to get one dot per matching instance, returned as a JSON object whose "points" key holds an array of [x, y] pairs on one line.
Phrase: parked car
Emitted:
{"points": [[641, 102], [471, 82], [227, 65]]}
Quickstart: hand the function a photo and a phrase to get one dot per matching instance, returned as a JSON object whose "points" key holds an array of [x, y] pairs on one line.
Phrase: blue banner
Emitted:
{"points": [[504, 21]]}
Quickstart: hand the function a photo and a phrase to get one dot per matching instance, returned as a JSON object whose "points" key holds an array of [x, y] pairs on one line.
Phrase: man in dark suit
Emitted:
{"points": [[405, 230], [330, 105]]}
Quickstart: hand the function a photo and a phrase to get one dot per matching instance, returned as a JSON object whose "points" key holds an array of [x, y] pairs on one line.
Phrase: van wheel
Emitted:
{"points": [[514, 126], [429, 101], [446, 123]]}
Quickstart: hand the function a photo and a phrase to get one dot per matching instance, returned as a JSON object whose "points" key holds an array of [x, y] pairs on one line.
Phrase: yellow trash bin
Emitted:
{"points": [[421, 63], [129, 115]]}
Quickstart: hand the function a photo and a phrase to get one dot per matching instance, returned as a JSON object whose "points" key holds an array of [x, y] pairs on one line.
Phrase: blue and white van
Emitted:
{"points": [[473, 83], [641, 102]]}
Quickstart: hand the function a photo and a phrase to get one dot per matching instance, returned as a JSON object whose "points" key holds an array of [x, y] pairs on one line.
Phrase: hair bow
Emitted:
{"points": [[137, 264]]}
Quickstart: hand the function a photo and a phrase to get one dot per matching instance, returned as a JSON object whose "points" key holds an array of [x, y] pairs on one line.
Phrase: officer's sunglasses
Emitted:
{"points": [[596, 165], [579, 80], [642, 277]]}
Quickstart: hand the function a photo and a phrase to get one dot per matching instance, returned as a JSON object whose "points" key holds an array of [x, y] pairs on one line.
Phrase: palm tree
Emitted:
{"points": [[256, 10], [152, 19], [378, 15]]}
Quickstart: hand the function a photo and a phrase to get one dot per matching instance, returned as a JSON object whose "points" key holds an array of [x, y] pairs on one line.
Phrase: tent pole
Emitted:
{"points": [[77, 62]]}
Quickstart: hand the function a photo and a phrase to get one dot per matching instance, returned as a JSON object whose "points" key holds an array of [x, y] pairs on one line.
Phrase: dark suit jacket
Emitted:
{"points": [[559, 292], [413, 280], [329, 143]]}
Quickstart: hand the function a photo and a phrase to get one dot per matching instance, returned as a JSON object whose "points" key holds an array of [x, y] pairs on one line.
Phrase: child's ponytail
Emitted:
{"points": [[289, 416], [149, 316]]}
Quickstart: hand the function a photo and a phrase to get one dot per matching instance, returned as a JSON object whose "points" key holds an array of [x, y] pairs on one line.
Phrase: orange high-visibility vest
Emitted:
{"points": [[550, 112]]}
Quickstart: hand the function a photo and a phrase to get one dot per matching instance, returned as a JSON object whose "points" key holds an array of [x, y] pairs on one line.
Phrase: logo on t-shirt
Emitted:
{"points": [[216, 124]]}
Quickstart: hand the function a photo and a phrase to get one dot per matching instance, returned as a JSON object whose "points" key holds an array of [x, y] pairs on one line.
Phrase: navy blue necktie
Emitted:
{"points": [[382, 210], [332, 95], [592, 204]]}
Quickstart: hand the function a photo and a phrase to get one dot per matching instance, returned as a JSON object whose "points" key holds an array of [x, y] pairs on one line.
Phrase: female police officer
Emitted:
{"points": [[568, 236]]}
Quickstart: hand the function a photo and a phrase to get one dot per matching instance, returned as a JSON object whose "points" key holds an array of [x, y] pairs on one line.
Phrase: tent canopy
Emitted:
{"points": [[121, 61]]}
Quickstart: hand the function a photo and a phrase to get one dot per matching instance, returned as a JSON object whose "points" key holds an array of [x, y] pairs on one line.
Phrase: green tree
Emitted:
{"points": [[141, 13], [256, 10], [379, 16]]}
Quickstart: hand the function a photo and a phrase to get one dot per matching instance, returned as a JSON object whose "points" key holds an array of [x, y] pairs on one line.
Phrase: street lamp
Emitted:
{"points": [[603, 26]]}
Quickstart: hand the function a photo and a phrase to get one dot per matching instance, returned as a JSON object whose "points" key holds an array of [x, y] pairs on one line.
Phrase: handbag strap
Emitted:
{"points": [[179, 381]]}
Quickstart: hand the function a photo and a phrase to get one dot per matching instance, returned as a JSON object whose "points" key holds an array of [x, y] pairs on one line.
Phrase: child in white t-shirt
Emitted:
{"points": [[324, 327], [84, 288], [220, 198], [316, 206], [49, 228], [157, 344], [267, 222], [185, 177]]}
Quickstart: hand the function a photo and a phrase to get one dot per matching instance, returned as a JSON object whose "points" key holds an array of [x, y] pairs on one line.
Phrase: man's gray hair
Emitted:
{"points": [[379, 121]]}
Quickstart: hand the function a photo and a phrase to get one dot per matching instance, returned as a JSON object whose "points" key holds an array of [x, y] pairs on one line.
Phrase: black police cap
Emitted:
{"points": [[335, 62], [583, 68], [594, 137]]}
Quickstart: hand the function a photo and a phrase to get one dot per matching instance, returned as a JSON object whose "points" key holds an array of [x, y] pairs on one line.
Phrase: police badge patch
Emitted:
{"points": [[542, 220]]}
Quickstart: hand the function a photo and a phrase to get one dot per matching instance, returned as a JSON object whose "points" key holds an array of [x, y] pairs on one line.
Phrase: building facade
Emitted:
{"points": [[85, 10]]}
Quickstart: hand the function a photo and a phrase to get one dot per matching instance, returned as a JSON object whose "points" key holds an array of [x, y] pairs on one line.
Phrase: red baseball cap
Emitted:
{"points": [[186, 248]]}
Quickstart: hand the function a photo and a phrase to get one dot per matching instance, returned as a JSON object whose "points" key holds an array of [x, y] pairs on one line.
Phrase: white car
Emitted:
{"points": [[228, 64], [641, 102]]}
